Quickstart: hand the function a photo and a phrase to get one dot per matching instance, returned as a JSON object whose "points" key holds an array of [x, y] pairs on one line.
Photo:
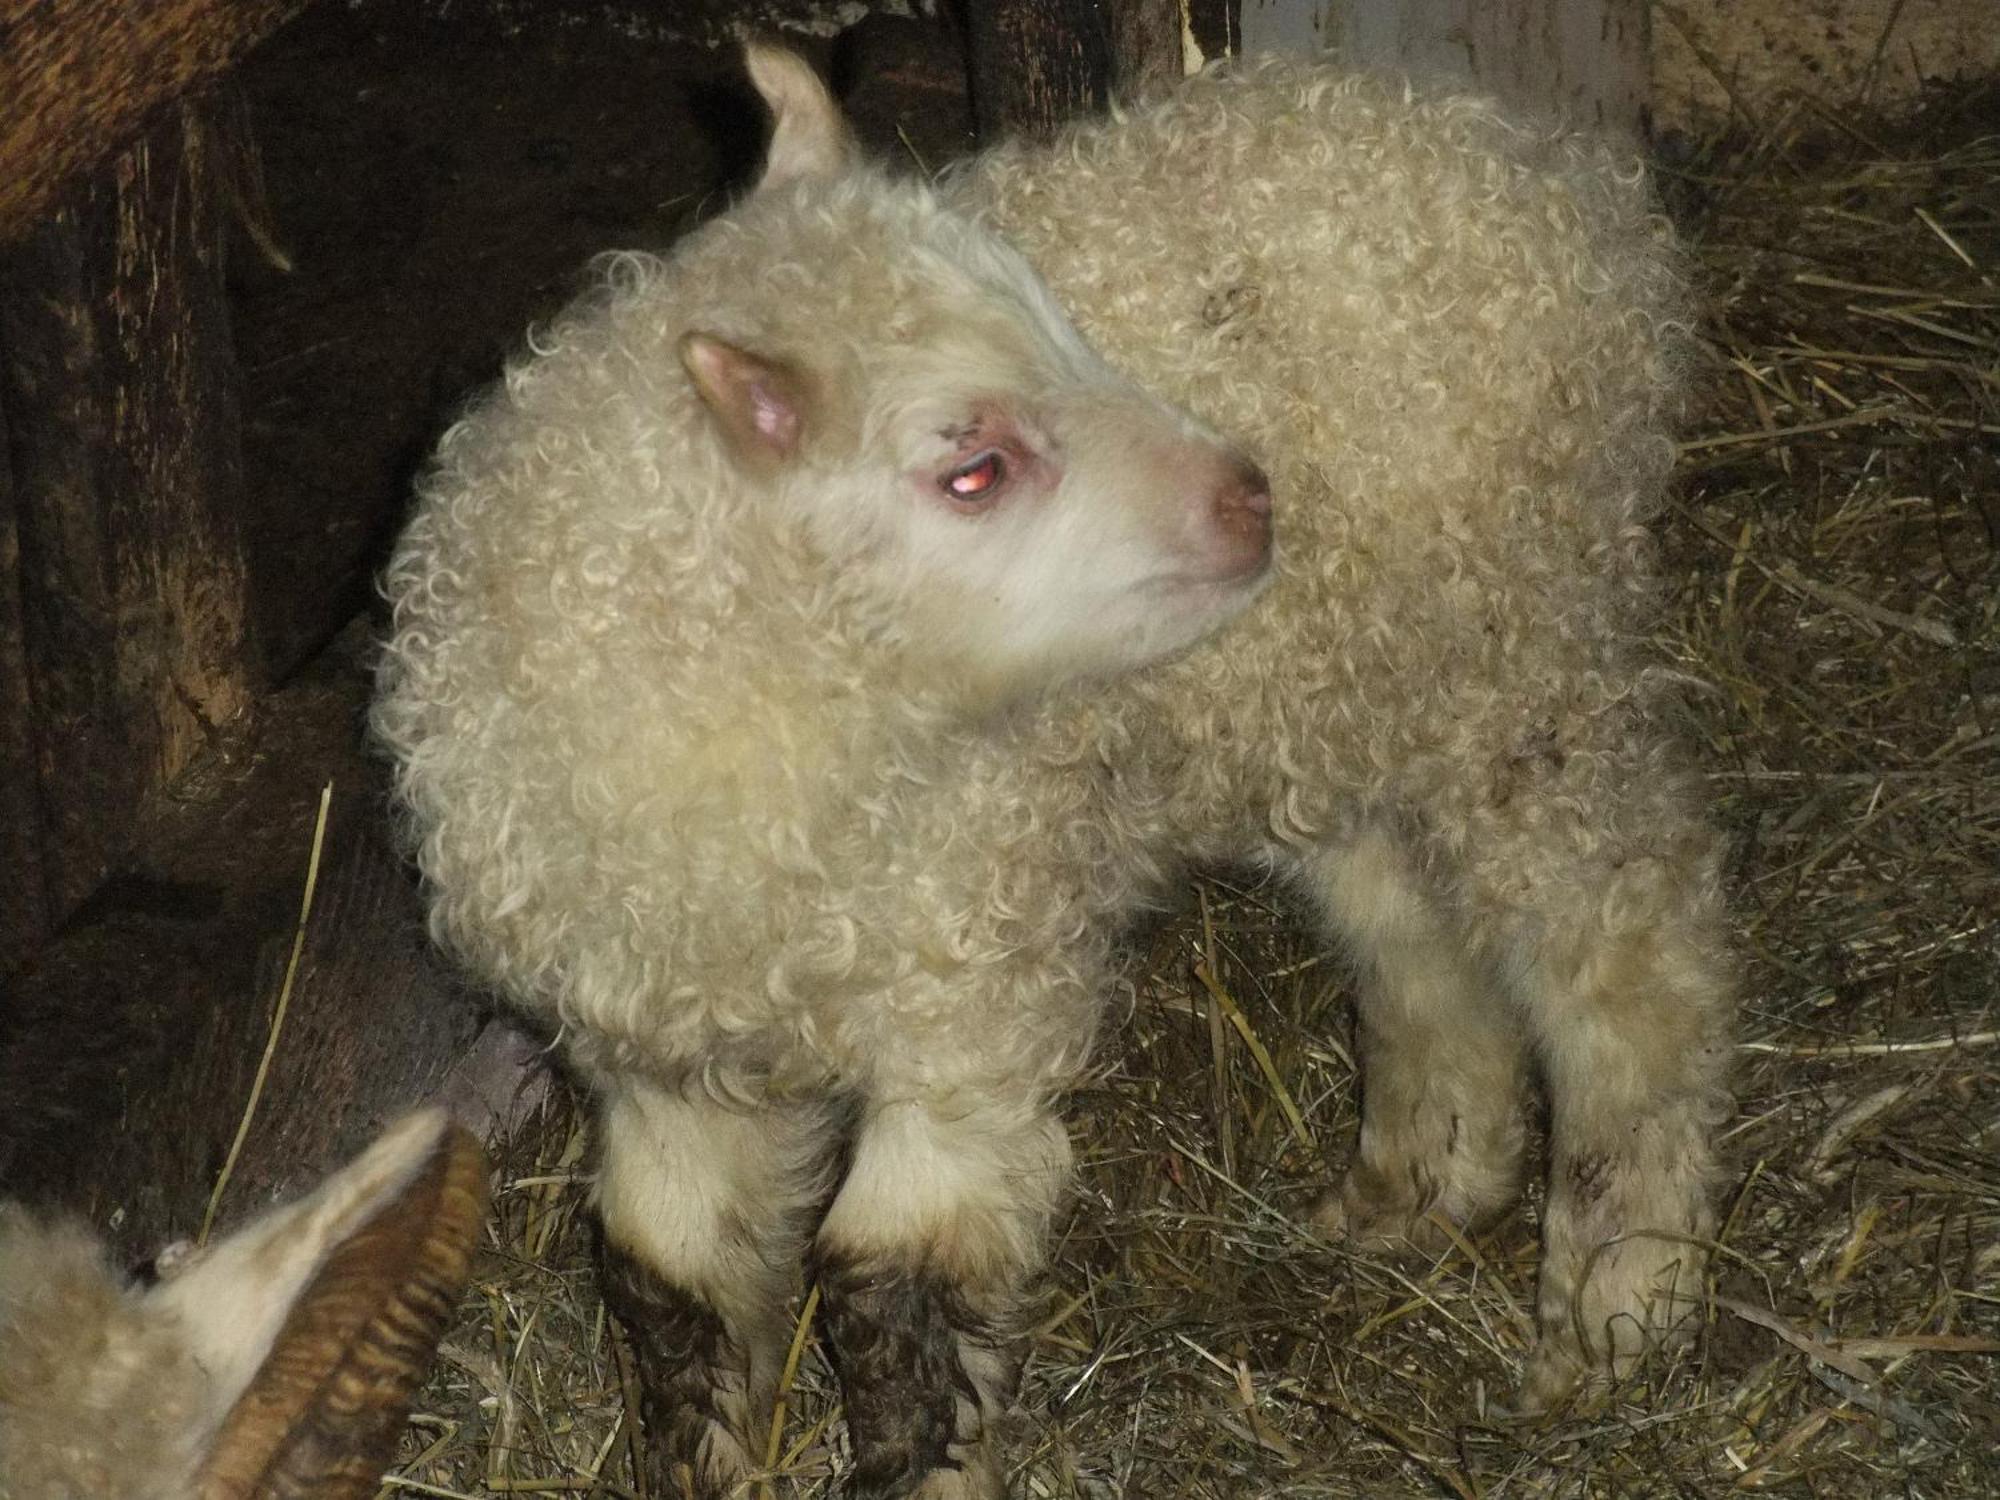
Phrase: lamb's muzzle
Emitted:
{"points": [[1240, 513]]}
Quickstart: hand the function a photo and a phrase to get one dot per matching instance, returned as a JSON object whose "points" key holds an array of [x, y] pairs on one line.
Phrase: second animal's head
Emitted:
{"points": [[904, 379], [275, 1364]]}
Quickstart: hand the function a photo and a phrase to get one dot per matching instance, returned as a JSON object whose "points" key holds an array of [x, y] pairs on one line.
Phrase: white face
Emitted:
{"points": [[1023, 514], [1080, 535], [1036, 517]]}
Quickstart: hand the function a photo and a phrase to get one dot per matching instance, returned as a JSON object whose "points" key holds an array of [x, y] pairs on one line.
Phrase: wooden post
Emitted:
{"points": [[24, 916], [1035, 63], [80, 78], [124, 440], [1146, 44]]}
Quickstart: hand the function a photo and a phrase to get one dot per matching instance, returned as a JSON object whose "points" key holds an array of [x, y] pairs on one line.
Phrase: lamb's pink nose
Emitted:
{"points": [[1241, 512]]}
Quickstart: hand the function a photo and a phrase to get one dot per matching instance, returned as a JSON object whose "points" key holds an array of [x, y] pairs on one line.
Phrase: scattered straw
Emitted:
{"points": [[1876, 1049], [277, 1019], [785, 1379]]}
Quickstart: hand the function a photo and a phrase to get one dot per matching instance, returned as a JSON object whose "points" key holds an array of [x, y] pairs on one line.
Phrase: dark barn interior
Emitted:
{"points": [[253, 255]]}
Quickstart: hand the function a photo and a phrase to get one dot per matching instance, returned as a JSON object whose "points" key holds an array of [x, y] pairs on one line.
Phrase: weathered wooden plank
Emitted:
{"points": [[1035, 63], [1032, 64], [1146, 44], [119, 385], [24, 913], [1586, 59], [79, 79]]}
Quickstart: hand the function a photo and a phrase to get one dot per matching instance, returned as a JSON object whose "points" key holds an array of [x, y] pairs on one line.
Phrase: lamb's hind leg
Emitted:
{"points": [[923, 1258], [1441, 1059], [705, 1210], [1616, 943]]}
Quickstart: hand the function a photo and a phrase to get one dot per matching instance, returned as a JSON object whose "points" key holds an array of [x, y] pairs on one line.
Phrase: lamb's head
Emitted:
{"points": [[275, 1364], [1016, 511]]}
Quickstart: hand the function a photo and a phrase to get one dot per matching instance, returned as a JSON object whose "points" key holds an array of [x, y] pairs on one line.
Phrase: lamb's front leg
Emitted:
{"points": [[705, 1207], [923, 1259]]}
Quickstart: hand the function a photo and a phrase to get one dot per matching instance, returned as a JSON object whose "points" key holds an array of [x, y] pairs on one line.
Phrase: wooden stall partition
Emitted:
{"points": [[124, 451], [24, 916], [122, 610], [1033, 64], [80, 78], [1586, 59]]}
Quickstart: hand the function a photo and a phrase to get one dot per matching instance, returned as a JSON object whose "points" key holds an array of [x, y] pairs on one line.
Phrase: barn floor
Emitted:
{"points": [[1837, 546]]}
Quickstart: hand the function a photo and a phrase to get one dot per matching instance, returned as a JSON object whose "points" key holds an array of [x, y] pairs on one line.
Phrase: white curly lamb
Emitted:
{"points": [[276, 1364], [809, 658]]}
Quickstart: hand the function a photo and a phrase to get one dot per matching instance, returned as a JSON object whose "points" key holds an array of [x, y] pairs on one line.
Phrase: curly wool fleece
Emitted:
{"points": [[741, 808]]}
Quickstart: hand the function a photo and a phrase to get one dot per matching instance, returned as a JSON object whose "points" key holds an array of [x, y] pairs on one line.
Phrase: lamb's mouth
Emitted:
{"points": [[1247, 579]]}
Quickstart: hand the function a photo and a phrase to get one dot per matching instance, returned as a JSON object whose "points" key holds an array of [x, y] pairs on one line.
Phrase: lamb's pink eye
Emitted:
{"points": [[977, 479]]}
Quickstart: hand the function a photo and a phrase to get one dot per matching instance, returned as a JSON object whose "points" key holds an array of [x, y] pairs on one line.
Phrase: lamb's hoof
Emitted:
{"points": [[979, 1478], [1355, 1216], [974, 1474], [1554, 1379]]}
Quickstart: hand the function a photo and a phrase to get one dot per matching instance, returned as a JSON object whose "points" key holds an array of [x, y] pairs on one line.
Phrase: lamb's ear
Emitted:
{"points": [[762, 406], [317, 1322], [809, 135]]}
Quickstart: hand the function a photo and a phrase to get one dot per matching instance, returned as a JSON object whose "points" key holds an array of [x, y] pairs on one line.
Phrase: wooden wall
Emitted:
{"points": [[119, 389], [1692, 65], [123, 616], [1032, 64], [1586, 58], [1714, 61]]}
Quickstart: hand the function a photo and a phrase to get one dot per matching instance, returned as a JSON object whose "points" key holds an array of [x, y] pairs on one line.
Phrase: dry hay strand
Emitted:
{"points": [[1836, 552]]}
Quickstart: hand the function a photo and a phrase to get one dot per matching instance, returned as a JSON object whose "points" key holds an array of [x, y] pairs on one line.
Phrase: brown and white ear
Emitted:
{"points": [[809, 135], [762, 406], [318, 1321]]}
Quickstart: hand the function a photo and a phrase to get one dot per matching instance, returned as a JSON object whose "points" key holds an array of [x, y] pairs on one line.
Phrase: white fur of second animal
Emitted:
{"points": [[274, 1363], [799, 676]]}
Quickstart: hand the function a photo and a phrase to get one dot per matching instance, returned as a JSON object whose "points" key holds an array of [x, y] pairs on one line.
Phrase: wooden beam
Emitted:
{"points": [[1032, 64], [24, 916], [118, 382], [1035, 63], [80, 78], [1146, 44], [1582, 59]]}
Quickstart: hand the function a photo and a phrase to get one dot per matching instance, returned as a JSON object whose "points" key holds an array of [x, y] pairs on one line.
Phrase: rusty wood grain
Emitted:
{"points": [[124, 450], [79, 79]]}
